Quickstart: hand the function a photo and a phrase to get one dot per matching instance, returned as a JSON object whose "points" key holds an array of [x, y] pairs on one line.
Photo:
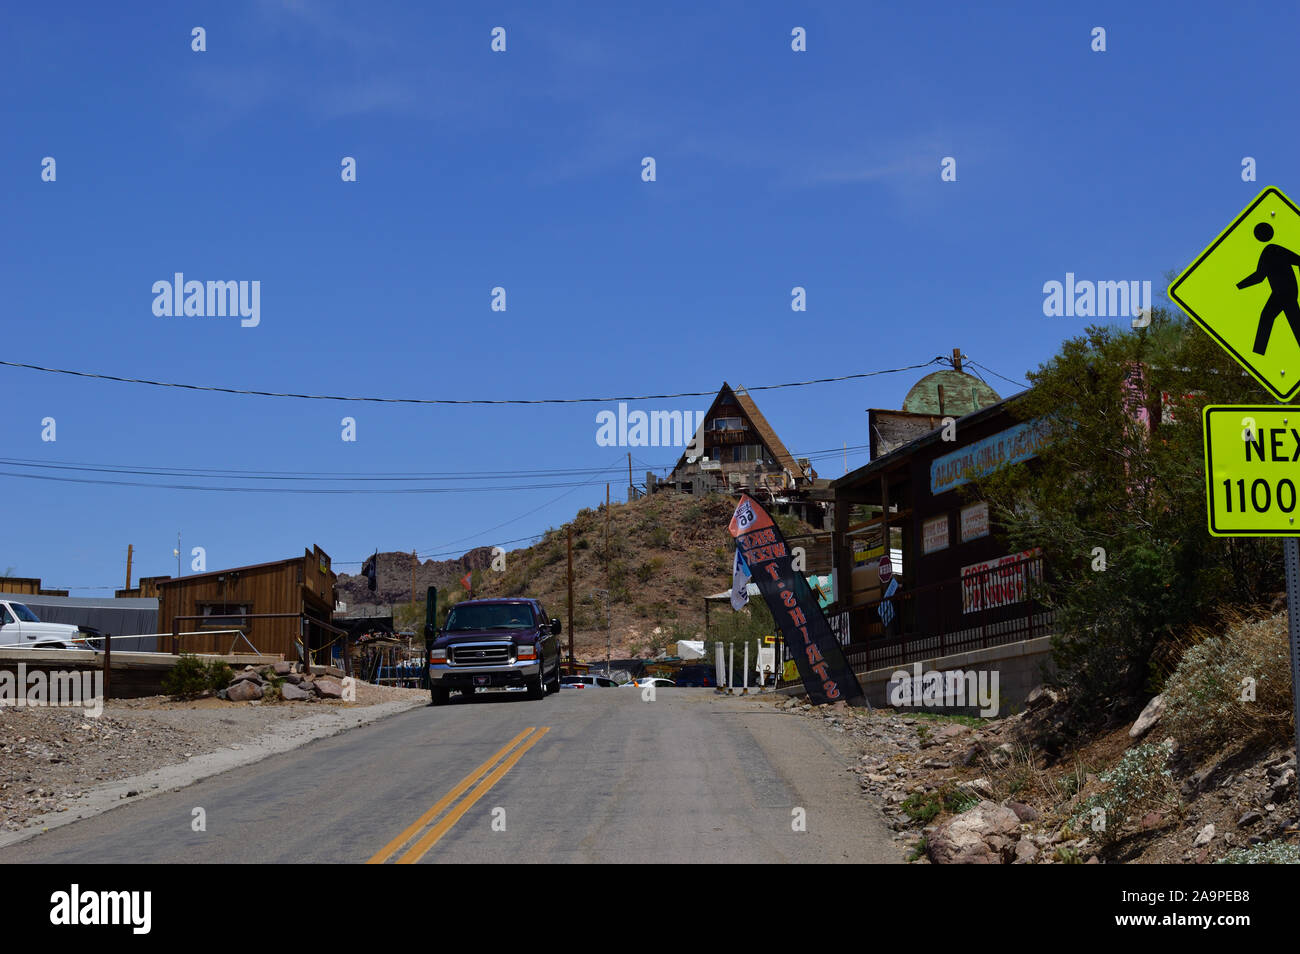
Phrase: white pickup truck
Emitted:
{"points": [[19, 626]]}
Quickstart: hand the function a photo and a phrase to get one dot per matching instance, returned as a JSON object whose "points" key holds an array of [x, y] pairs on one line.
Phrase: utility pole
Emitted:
{"points": [[570, 528], [956, 359], [129, 551], [608, 637], [607, 536], [414, 562], [629, 476], [177, 551]]}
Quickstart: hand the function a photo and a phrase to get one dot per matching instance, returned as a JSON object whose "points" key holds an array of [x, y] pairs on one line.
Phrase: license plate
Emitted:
{"points": [[482, 680]]}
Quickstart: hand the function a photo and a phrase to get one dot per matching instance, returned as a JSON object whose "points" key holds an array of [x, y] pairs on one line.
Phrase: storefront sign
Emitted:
{"points": [[983, 457], [934, 534], [974, 521], [1001, 582]]}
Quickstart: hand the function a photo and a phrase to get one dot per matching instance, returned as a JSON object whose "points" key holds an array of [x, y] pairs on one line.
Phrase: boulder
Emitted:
{"points": [[1282, 785], [283, 668], [1026, 852], [984, 835], [1204, 836], [977, 786], [247, 675], [1040, 698], [329, 688], [1026, 813], [293, 693], [244, 690], [1149, 717]]}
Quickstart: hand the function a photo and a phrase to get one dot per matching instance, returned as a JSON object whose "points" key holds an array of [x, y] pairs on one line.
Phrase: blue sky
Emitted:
{"points": [[522, 169]]}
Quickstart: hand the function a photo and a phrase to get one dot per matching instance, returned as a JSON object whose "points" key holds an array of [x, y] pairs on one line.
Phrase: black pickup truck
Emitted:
{"points": [[495, 643]]}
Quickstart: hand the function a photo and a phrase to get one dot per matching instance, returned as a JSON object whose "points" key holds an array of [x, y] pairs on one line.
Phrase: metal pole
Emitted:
{"points": [[570, 529], [1291, 559], [731, 666], [108, 662], [744, 675]]}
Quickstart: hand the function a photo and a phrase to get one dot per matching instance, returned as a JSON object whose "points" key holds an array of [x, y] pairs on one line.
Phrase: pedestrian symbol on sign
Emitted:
{"points": [[1275, 265]]}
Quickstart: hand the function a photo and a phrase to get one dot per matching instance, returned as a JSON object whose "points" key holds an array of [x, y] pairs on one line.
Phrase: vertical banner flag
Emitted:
{"points": [[466, 582], [816, 652], [739, 582]]}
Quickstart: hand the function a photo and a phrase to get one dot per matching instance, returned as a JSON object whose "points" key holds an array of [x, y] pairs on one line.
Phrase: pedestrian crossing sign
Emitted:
{"points": [[1243, 292]]}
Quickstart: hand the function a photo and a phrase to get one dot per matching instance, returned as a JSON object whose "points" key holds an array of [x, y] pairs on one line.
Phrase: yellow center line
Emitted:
{"points": [[391, 848], [421, 847]]}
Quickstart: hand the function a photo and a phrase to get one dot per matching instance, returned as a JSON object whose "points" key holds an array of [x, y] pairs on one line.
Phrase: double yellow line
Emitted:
{"points": [[444, 825]]}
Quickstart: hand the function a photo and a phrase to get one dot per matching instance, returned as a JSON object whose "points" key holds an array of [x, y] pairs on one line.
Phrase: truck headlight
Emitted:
{"points": [[438, 655], [527, 651]]}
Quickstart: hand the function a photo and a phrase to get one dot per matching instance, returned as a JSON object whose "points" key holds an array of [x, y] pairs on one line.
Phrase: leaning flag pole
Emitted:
{"points": [[816, 651]]}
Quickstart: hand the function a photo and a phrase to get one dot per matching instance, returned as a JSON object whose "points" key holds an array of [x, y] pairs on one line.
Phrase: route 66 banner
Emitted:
{"points": [[808, 637]]}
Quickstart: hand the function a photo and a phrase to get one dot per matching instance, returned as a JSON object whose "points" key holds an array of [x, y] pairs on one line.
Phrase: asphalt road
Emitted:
{"points": [[593, 775]]}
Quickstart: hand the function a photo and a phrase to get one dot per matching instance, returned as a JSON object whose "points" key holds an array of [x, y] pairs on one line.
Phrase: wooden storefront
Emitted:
{"points": [[301, 589], [959, 583]]}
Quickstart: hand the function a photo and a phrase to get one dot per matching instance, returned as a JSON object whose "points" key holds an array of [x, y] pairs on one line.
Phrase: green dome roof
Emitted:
{"points": [[962, 394]]}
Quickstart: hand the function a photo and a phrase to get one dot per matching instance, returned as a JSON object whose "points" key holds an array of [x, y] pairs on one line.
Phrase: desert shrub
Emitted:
{"points": [[659, 536], [1139, 783], [1232, 686], [192, 677], [1271, 853], [647, 570], [924, 807]]}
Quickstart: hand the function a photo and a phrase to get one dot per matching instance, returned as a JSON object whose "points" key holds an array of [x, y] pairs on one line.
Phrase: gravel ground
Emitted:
{"points": [[49, 757]]}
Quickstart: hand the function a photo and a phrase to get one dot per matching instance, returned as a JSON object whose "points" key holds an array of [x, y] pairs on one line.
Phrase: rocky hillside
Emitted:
{"points": [[394, 580]]}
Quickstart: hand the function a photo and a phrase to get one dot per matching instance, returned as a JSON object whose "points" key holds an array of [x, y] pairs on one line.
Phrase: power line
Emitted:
{"points": [[472, 401], [292, 490], [160, 471], [1019, 384]]}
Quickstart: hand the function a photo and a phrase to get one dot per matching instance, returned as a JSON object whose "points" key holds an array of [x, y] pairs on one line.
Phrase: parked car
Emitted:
{"points": [[656, 681], [695, 676], [586, 682], [498, 643], [19, 626]]}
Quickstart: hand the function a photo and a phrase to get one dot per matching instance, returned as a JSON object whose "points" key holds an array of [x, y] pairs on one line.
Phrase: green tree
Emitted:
{"points": [[1119, 508]]}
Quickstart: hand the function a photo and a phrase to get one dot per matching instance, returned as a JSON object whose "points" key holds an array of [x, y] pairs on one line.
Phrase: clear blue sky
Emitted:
{"points": [[523, 169]]}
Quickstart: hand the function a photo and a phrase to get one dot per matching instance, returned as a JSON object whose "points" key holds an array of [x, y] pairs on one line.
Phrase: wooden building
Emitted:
{"points": [[27, 585], [299, 592], [960, 587], [741, 453]]}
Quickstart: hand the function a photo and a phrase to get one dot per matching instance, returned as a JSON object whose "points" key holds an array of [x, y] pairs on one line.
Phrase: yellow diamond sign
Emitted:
{"points": [[1242, 290], [1252, 470]]}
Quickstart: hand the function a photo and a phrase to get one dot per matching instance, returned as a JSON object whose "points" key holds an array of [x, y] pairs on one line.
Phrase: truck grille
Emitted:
{"points": [[481, 654]]}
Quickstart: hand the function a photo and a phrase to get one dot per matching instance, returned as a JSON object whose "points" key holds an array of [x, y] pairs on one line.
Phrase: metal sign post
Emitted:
{"points": [[1291, 558]]}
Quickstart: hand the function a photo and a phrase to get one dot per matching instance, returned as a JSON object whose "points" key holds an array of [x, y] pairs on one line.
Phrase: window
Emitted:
{"points": [[727, 424], [224, 615]]}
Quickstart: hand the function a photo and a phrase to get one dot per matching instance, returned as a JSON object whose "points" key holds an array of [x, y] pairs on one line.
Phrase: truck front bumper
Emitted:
{"points": [[464, 677]]}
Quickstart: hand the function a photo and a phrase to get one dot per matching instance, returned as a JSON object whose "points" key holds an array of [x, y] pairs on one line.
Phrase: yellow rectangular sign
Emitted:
{"points": [[1252, 469]]}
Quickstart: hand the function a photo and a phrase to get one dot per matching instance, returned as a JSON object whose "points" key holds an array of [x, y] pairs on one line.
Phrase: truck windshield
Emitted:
{"points": [[489, 616], [23, 613]]}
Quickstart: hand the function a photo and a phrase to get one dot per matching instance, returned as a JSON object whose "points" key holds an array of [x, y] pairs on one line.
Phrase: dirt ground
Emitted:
{"points": [[50, 756]]}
